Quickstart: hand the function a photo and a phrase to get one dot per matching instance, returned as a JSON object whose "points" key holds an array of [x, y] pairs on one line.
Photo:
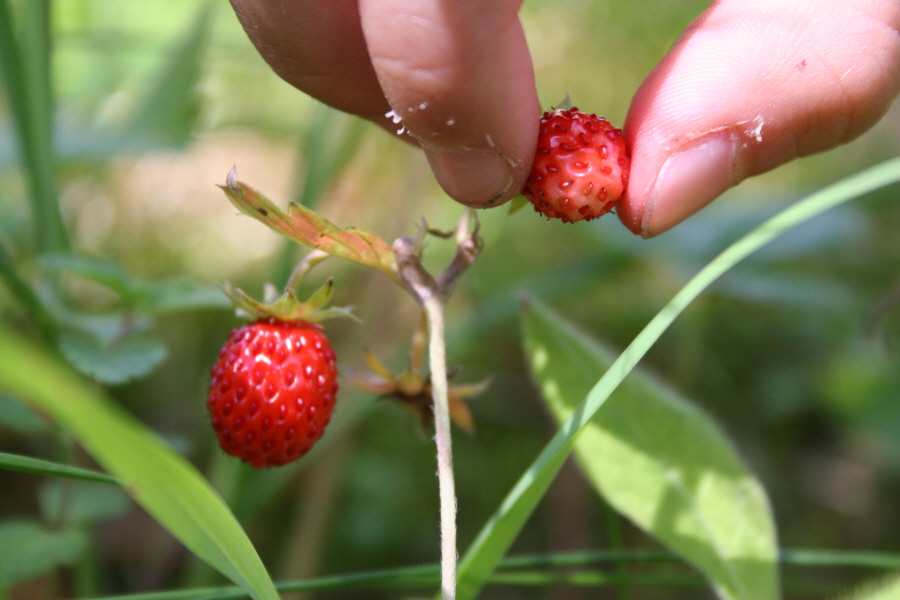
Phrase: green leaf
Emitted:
{"points": [[166, 485], [517, 203], [19, 417], [502, 528], [888, 588], [152, 297], [27, 464], [23, 292], [170, 296], [113, 363], [306, 227], [27, 549], [660, 461], [80, 501], [103, 271]]}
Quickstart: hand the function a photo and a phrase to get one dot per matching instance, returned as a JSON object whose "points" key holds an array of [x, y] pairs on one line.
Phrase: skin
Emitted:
{"points": [[750, 85]]}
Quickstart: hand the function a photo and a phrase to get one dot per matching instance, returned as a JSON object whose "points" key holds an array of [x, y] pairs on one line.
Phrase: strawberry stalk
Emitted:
{"points": [[446, 483], [432, 293]]}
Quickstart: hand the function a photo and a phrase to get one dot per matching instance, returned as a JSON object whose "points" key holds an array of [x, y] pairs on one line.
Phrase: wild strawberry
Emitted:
{"points": [[272, 391], [273, 387], [581, 167]]}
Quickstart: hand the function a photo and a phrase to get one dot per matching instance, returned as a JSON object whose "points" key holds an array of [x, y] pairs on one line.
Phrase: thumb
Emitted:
{"points": [[749, 86]]}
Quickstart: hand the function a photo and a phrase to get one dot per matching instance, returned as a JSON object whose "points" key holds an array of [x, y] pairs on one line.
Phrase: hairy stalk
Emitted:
{"points": [[447, 488], [432, 293]]}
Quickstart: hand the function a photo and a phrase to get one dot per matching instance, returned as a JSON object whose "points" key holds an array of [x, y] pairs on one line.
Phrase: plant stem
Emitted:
{"points": [[438, 367], [25, 70]]}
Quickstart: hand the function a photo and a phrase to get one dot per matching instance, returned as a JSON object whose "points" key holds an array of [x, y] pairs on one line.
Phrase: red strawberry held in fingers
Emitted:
{"points": [[580, 168], [272, 391]]}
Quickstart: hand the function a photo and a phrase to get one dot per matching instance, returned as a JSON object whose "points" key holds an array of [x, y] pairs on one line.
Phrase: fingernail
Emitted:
{"points": [[690, 179], [477, 179]]}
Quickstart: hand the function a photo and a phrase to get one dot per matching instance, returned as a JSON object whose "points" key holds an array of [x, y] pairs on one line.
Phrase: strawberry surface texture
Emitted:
{"points": [[272, 391], [580, 168]]}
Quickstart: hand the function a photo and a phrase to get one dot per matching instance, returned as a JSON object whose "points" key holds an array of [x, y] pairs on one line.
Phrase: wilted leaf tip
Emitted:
{"points": [[231, 180]]}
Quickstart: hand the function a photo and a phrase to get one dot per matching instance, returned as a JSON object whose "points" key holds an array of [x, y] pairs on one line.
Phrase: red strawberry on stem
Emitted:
{"points": [[272, 391], [274, 385], [581, 166]]}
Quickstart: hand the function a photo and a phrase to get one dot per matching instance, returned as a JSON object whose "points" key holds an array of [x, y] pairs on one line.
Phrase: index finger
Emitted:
{"points": [[458, 76]]}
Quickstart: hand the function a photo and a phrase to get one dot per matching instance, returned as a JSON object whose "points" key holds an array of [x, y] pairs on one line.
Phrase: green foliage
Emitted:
{"points": [[81, 501], [886, 589], [660, 461], [112, 363], [113, 346], [160, 480], [497, 535], [25, 67], [28, 549], [18, 417], [123, 113]]}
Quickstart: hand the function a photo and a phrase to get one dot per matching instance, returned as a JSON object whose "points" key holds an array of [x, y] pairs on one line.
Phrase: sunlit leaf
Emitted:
{"points": [[28, 549], [886, 589], [305, 227], [504, 525], [660, 461], [166, 485]]}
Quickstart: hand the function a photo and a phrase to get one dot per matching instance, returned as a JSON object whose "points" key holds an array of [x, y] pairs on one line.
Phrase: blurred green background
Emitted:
{"points": [[794, 352]]}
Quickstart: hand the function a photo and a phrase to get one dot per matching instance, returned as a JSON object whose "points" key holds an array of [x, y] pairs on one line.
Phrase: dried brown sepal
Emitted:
{"points": [[413, 391]]}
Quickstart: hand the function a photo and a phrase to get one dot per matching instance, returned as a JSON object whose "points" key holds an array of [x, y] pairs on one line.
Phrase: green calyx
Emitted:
{"points": [[287, 307]]}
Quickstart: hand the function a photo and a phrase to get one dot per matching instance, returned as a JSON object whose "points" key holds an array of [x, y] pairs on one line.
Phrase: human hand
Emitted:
{"points": [[750, 85], [458, 74]]}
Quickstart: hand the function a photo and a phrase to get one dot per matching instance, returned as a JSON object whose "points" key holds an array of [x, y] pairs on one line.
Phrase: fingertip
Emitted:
{"points": [[630, 213], [478, 179], [691, 177], [733, 99], [463, 87]]}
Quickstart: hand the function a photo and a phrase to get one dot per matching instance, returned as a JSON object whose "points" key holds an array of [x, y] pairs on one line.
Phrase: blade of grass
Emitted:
{"points": [[803, 557], [421, 576], [159, 479], [36, 466], [25, 66], [502, 528], [429, 575]]}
